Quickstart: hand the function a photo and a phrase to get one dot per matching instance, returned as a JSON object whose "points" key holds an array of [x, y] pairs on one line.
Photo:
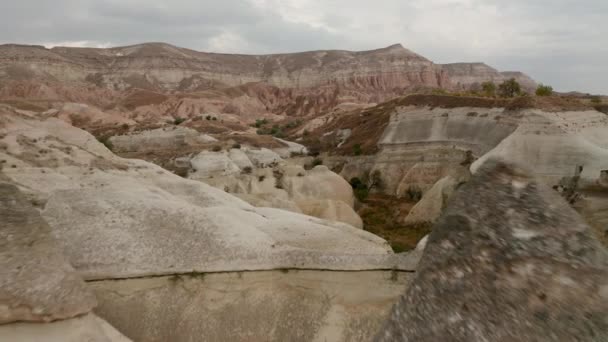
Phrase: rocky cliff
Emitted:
{"points": [[466, 76], [167, 67]]}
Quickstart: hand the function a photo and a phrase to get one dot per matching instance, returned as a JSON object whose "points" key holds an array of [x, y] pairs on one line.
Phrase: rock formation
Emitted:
{"points": [[467, 76], [508, 261], [132, 229], [41, 295]]}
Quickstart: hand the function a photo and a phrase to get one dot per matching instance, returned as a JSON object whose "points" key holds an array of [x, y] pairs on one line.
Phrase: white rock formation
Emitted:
{"points": [[122, 219]]}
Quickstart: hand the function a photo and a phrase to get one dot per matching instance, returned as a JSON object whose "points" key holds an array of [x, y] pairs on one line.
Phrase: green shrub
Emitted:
{"points": [[414, 193], [247, 170], [178, 121], [236, 146], [317, 161], [208, 117], [359, 188], [216, 148], [488, 88], [260, 122], [509, 88], [544, 90], [357, 150]]}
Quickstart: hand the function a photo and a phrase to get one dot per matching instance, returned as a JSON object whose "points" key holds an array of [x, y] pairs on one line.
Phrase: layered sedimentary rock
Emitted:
{"points": [[169, 67], [471, 76], [509, 260]]}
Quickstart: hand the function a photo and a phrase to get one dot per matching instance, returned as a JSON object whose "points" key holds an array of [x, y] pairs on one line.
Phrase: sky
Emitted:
{"points": [[558, 42]]}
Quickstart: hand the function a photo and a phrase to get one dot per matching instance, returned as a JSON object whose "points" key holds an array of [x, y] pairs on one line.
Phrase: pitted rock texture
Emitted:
{"points": [[37, 284], [508, 260]]}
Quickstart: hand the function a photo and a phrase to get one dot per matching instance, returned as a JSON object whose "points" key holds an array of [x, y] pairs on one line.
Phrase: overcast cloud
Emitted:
{"points": [[558, 42]]}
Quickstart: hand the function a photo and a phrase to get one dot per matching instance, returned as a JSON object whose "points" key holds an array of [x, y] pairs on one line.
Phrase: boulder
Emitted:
{"points": [[263, 157], [208, 164], [508, 260], [330, 210]]}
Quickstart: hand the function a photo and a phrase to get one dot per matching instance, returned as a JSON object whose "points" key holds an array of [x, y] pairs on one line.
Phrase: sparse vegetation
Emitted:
{"points": [[208, 117], [178, 121], [359, 188], [509, 88], [488, 88], [317, 162], [596, 100], [357, 150], [216, 148], [260, 122], [236, 146], [544, 90], [414, 193], [247, 170]]}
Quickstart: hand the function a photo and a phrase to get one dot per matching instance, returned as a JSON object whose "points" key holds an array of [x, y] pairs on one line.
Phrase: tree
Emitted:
{"points": [[544, 90], [488, 88], [509, 88]]}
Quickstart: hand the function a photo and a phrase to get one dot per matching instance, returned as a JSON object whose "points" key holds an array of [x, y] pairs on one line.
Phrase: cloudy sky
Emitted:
{"points": [[558, 42]]}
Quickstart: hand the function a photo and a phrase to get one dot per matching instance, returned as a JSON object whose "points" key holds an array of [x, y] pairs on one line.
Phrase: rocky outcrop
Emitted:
{"points": [[37, 285], [422, 144], [262, 178], [287, 305], [162, 66], [468, 76], [508, 261], [129, 220]]}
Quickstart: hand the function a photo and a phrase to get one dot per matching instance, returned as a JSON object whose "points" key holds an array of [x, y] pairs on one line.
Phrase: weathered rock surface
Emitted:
{"points": [[509, 260], [161, 138], [88, 328], [471, 75], [37, 284], [42, 298], [317, 192], [252, 306], [124, 219]]}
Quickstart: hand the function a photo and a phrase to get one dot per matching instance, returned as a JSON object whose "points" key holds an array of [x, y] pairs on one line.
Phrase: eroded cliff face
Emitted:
{"points": [[171, 68], [466, 76]]}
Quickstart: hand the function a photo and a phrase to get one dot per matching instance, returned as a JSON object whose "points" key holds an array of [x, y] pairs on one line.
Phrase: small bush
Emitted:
{"points": [[317, 161], [247, 170], [261, 178], [214, 118], [488, 88], [260, 122], [125, 126], [359, 188], [544, 90], [216, 148], [208, 117], [305, 133], [473, 114], [509, 88], [357, 150], [178, 121], [414, 193], [236, 145]]}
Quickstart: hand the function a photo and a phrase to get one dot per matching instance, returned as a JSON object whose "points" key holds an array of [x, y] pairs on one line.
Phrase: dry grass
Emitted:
{"points": [[382, 214]]}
